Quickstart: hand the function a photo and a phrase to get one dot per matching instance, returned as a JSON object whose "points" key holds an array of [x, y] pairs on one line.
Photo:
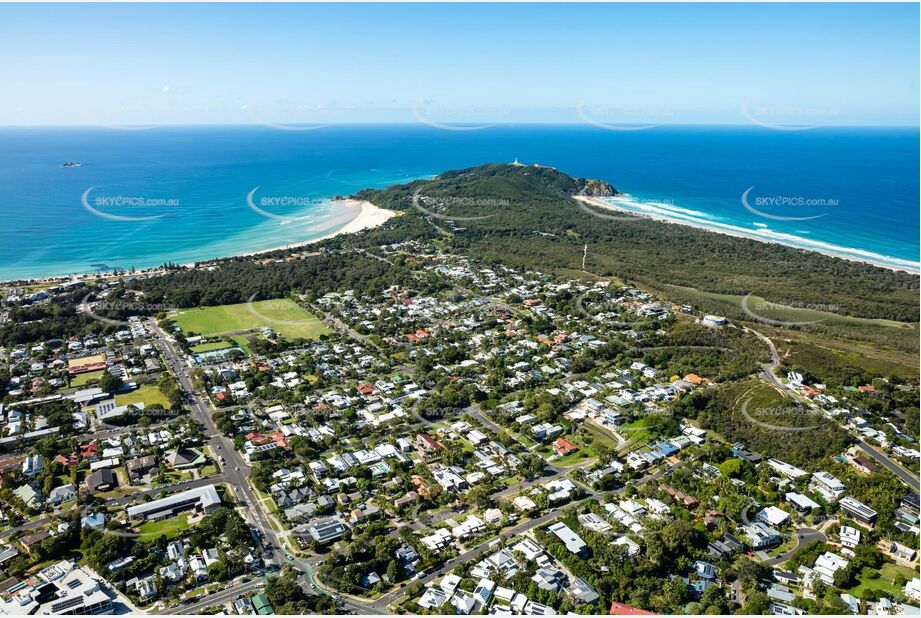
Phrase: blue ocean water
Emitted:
{"points": [[179, 194]]}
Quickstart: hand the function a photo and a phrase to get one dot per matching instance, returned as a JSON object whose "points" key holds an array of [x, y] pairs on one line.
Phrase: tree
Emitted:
{"points": [[109, 383], [393, 571]]}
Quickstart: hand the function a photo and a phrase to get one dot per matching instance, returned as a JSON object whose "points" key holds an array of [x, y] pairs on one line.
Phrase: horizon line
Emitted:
{"points": [[318, 126]]}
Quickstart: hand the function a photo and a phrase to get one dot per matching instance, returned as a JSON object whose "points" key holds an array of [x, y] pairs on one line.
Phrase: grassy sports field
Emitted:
{"points": [[284, 316]]}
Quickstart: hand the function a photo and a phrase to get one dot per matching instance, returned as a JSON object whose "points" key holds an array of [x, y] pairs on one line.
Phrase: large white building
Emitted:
{"points": [[60, 589], [205, 499]]}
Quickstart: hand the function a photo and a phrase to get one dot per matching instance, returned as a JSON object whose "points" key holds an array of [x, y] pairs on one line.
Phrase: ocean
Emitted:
{"points": [[179, 194]]}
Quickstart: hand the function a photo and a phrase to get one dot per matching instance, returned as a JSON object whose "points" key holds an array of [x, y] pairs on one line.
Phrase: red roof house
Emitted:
{"points": [[564, 447], [620, 609]]}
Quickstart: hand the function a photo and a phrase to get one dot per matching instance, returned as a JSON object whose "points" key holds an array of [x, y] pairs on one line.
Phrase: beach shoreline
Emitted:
{"points": [[369, 216], [741, 233]]}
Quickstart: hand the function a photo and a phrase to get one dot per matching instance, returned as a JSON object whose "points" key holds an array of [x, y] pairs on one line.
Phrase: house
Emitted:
{"points": [[850, 537], [564, 447], [800, 502], [262, 605], [760, 536], [913, 589], [30, 496], [713, 321], [864, 465], [621, 609], [62, 494], [432, 599], [772, 516], [102, 479], [827, 486], [32, 466], [427, 445], [184, 458], [140, 466], [858, 511], [573, 542], [31, 540], [689, 502], [581, 591]]}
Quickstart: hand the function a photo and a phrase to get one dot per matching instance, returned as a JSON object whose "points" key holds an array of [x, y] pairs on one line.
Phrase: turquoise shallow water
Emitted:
{"points": [[142, 198]]}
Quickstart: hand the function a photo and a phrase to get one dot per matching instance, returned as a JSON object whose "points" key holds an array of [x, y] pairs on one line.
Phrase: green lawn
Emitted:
{"points": [[170, 527], [149, 394], [85, 378], [885, 581], [214, 345], [243, 342], [284, 316]]}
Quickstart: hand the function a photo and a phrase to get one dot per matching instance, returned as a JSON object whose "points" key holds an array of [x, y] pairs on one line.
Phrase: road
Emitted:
{"points": [[235, 471], [803, 537], [447, 567], [216, 598], [767, 369], [767, 374], [514, 531], [896, 469], [235, 468]]}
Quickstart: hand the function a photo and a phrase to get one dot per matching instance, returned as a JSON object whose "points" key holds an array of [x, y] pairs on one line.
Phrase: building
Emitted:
{"points": [[31, 540], [30, 496], [864, 465], [760, 536], [32, 466], [800, 502], [858, 511], [185, 458], [564, 447], [850, 537], [913, 589], [772, 516], [102, 479], [786, 469], [140, 466], [205, 499], [61, 589], [261, 605], [571, 540], [326, 530], [827, 486], [621, 609]]}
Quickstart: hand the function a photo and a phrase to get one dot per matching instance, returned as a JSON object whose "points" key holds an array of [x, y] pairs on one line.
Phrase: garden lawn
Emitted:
{"points": [[885, 581], [83, 379], [147, 394], [170, 527]]}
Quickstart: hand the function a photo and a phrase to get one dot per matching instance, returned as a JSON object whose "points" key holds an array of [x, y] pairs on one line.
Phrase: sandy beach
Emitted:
{"points": [[741, 233], [369, 216]]}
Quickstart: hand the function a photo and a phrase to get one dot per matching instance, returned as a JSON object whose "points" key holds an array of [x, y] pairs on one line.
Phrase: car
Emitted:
{"points": [[313, 585], [237, 468]]}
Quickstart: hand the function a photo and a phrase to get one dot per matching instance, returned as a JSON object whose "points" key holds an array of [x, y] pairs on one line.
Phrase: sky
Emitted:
{"points": [[785, 65]]}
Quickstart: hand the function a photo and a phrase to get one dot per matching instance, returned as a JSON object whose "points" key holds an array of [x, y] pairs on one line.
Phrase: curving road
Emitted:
{"points": [[803, 537]]}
